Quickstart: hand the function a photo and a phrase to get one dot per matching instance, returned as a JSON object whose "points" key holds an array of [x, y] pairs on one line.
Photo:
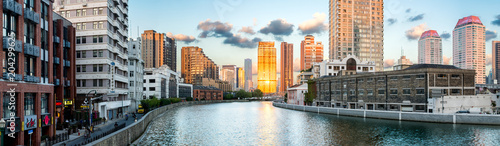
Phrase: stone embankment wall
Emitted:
{"points": [[401, 116]]}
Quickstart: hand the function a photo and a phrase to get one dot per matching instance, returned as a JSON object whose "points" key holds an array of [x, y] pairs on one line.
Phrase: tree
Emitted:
{"points": [[240, 94], [248, 94], [257, 93], [286, 98], [189, 98], [311, 92], [228, 96], [308, 98]]}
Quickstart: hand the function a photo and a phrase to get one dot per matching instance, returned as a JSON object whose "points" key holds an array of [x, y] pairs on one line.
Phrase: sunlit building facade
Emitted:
{"points": [[286, 64], [495, 64], [241, 78], [310, 52], [195, 65], [248, 74], [469, 46], [266, 80], [357, 28], [430, 48]]}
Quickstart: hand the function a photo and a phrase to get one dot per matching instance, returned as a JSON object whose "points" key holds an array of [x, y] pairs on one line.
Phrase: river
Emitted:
{"points": [[259, 123]]}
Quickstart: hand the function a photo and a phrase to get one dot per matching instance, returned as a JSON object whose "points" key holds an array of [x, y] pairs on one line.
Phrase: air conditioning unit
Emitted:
{"points": [[84, 5], [62, 6]]}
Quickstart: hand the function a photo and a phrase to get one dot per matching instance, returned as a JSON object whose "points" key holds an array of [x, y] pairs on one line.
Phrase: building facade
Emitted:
{"points": [[206, 93], [207, 82], [101, 52], [266, 80], [248, 74], [303, 77], [38, 73], [158, 50], [495, 60], [185, 90], [286, 66], [357, 28], [430, 48], [333, 67], [230, 74], [136, 73], [196, 65], [469, 46], [411, 88], [241, 78], [170, 53], [296, 94], [161, 83], [310, 52]]}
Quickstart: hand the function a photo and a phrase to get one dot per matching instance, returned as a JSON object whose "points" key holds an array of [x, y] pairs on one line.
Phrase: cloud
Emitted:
{"points": [[496, 21], [181, 37], [490, 35], [388, 63], [446, 60], [408, 10], [296, 64], [278, 27], [416, 18], [445, 35], [415, 32], [488, 59], [215, 29], [392, 20], [242, 42], [248, 30], [315, 25]]}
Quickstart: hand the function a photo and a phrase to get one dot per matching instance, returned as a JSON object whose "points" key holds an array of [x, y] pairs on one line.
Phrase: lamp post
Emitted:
{"points": [[2, 129], [90, 106]]}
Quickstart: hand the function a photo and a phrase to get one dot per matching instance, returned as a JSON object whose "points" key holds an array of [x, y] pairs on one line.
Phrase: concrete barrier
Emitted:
{"points": [[401, 116], [130, 133]]}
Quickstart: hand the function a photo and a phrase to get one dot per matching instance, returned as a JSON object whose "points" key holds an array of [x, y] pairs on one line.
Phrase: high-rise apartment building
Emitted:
{"points": [[495, 62], [248, 74], [266, 80], [102, 51], [430, 48], [170, 53], [38, 70], [469, 46], [241, 78], [310, 52], [136, 73], [357, 28], [230, 74], [158, 50], [286, 70], [195, 65]]}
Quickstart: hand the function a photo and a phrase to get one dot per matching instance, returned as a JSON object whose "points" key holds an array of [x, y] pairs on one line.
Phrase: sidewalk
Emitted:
{"points": [[75, 136]]}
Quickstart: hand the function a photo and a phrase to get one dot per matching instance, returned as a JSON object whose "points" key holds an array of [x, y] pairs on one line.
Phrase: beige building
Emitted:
{"points": [[207, 82], [357, 28], [430, 48], [469, 46], [266, 79], [286, 69], [310, 52], [196, 65]]}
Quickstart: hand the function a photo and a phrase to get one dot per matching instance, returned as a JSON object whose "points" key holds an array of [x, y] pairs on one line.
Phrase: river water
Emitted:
{"points": [[259, 123]]}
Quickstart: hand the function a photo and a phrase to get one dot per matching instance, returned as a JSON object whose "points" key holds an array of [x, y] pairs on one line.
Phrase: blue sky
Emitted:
{"points": [[183, 17]]}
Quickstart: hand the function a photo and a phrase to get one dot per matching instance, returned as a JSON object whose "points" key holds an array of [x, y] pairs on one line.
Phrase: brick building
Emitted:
{"points": [[38, 62], [393, 90], [207, 93]]}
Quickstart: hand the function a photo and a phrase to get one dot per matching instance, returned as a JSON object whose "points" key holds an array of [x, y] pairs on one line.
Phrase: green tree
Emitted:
{"points": [[189, 98], [257, 93], [240, 94], [286, 98], [311, 92], [228, 96], [248, 94]]}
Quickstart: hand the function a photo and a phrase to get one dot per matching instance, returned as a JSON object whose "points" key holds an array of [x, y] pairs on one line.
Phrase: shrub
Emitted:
{"points": [[164, 101], [189, 98], [175, 100]]}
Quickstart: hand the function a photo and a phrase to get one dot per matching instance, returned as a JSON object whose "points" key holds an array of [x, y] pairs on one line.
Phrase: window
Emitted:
{"points": [[29, 104], [329, 67], [84, 68], [152, 81], [78, 68], [151, 88], [44, 106], [29, 65], [370, 79], [98, 83], [420, 76], [84, 12], [420, 91], [406, 91], [407, 77], [100, 53], [96, 12], [455, 76], [84, 39], [381, 79], [442, 76], [98, 68], [360, 80], [369, 92], [84, 54], [95, 25], [94, 53], [381, 91], [100, 10], [131, 74], [94, 39], [455, 91], [78, 26], [68, 14], [101, 39], [361, 92], [78, 12], [336, 68], [394, 91], [84, 26], [84, 83], [101, 25], [78, 40], [394, 77], [353, 92], [131, 84], [6, 98]]}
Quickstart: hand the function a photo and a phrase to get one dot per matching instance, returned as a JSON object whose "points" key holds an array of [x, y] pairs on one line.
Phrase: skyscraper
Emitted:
{"points": [[310, 52], [241, 78], [248, 74], [170, 53], [357, 28], [195, 65], [286, 70], [469, 47], [429, 48], [230, 74], [158, 50], [495, 62], [266, 80]]}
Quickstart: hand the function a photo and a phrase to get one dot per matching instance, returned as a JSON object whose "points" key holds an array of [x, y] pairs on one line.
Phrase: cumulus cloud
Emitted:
{"points": [[392, 20], [488, 59], [415, 32], [490, 35], [446, 60], [216, 29], [248, 30], [416, 18], [181, 37], [445, 35], [315, 25], [408, 10], [496, 21], [278, 27], [388, 63], [242, 42]]}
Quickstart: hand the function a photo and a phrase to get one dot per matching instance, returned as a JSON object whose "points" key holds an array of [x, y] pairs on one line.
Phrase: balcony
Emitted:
{"points": [[17, 45], [33, 79], [56, 39], [13, 6], [67, 83], [31, 15], [17, 77], [31, 50], [56, 82], [67, 63], [67, 44], [56, 60]]}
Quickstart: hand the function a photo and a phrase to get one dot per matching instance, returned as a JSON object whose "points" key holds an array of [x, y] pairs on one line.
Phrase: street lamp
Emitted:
{"points": [[2, 129], [90, 106]]}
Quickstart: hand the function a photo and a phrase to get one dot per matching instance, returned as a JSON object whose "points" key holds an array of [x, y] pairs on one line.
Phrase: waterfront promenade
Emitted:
{"points": [[401, 116]]}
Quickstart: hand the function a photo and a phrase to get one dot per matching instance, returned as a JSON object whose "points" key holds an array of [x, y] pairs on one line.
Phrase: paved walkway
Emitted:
{"points": [[74, 139]]}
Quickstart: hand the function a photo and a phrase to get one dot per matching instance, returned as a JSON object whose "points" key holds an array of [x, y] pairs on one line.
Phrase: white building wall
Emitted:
{"points": [[452, 104], [329, 67]]}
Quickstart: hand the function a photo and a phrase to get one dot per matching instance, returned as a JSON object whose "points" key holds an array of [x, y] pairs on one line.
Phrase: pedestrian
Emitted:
{"points": [[105, 120], [126, 117], [116, 125]]}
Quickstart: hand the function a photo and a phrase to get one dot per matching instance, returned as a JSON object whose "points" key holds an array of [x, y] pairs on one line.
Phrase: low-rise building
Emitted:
{"points": [[296, 94], [452, 104], [332, 67], [206, 93], [394, 90], [160, 82], [185, 90], [303, 77], [223, 85], [135, 69]]}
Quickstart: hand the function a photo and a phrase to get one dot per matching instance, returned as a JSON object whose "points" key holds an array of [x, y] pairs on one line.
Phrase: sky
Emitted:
{"points": [[228, 30]]}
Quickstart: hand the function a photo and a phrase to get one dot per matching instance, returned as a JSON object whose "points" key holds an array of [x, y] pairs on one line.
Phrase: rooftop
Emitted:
{"points": [[468, 20], [419, 66], [205, 88], [429, 33]]}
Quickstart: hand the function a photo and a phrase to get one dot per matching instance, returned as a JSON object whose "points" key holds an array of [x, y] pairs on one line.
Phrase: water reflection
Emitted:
{"points": [[259, 123]]}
